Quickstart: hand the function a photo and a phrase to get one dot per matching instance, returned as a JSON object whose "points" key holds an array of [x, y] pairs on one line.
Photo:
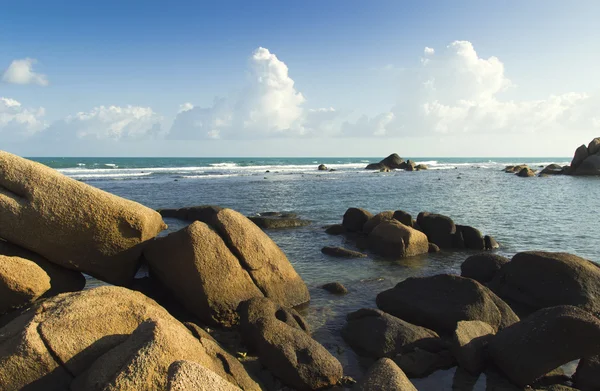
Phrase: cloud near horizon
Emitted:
{"points": [[18, 123], [21, 72]]}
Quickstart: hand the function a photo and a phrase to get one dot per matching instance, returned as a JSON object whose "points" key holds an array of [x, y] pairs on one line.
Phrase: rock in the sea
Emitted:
{"points": [[490, 243], [581, 154], [341, 252], [355, 219], [544, 341], [374, 333], [61, 279], [552, 169], [384, 375], [433, 248], [377, 167], [526, 172], [335, 287], [482, 267], [278, 222], [469, 343], [279, 336], [420, 167], [472, 237], [21, 282], [188, 376], [587, 376], [392, 161], [403, 217], [438, 228], [335, 229], [440, 302], [191, 213], [393, 239], [590, 166], [538, 279], [376, 220], [72, 224], [322, 167], [198, 267], [594, 146], [421, 363]]}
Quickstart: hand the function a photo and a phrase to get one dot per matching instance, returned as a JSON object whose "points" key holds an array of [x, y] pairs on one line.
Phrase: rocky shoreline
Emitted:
{"points": [[217, 311]]}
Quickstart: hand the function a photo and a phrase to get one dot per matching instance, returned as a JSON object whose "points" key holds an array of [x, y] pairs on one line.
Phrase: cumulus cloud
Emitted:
{"points": [[21, 72], [17, 122], [268, 105]]}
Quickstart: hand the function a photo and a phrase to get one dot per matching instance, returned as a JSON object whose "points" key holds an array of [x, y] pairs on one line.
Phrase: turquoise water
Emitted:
{"points": [[553, 213]]}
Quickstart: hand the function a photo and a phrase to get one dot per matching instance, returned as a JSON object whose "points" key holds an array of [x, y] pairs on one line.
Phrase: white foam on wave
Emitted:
{"points": [[113, 175], [223, 165], [111, 165]]}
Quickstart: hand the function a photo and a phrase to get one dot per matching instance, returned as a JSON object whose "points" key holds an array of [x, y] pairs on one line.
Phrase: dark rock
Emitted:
{"points": [[472, 237], [276, 222], [469, 343], [458, 241], [335, 287], [322, 167], [403, 217], [515, 169], [552, 169], [526, 172], [393, 161], [421, 363], [581, 154], [440, 302], [438, 228], [420, 167], [376, 166], [544, 341], [590, 166], [408, 165], [355, 219], [587, 376], [192, 213], [594, 146], [376, 220], [335, 229], [341, 252], [433, 248], [393, 239], [384, 375], [490, 243], [287, 215], [374, 333], [482, 267]]}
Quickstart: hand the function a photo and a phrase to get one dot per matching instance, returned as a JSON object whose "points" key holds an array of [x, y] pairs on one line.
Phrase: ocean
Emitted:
{"points": [[557, 213]]}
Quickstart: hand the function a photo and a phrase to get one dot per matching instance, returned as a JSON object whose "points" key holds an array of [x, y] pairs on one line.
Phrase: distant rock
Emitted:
{"points": [[191, 213], [552, 169], [594, 146], [322, 167], [341, 252], [279, 221], [526, 172], [590, 166], [335, 287], [472, 237], [377, 167], [419, 167], [515, 169], [490, 243], [335, 229], [433, 248], [393, 161]]}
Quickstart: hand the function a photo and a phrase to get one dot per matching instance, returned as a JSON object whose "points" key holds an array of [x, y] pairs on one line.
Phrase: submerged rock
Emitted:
{"points": [[335, 229], [278, 222], [341, 252], [335, 287]]}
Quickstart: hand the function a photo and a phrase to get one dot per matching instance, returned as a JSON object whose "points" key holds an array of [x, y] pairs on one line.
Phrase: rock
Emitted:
{"points": [[335, 287], [283, 345], [61, 280], [482, 267], [394, 239], [335, 229], [543, 341], [322, 167], [538, 279], [21, 282], [594, 146], [384, 375], [590, 166], [393, 161], [472, 237], [70, 223], [526, 172], [580, 155], [198, 267], [276, 222], [515, 169], [587, 376], [469, 343], [341, 252], [458, 241], [188, 376], [403, 217], [421, 363], [552, 169], [440, 302], [438, 228], [420, 167], [376, 167], [490, 243], [433, 248], [355, 219], [374, 333], [192, 213], [384, 169], [376, 220]]}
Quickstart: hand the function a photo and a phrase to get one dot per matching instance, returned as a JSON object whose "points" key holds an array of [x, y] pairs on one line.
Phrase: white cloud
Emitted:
{"points": [[185, 107], [21, 72], [428, 51], [17, 122]]}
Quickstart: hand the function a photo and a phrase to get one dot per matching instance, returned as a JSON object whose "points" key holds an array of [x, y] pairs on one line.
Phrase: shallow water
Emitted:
{"points": [[553, 213]]}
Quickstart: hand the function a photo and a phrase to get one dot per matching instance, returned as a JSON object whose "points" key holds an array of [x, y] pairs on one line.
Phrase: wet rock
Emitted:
{"points": [[587, 376], [192, 213], [421, 363], [482, 267], [355, 219], [394, 239], [335, 229], [526, 172], [438, 228], [335, 287], [376, 220], [374, 333], [322, 167], [384, 375], [544, 341], [403, 217], [515, 169], [552, 169], [341, 252], [433, 248], [469, 343], [188, 375], [21, 282], [472, 237], [70, 223], [278, 222], [490, 243]]}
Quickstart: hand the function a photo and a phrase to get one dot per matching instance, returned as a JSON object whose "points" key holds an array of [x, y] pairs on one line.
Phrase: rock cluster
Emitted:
{"points": [[395, 162]]}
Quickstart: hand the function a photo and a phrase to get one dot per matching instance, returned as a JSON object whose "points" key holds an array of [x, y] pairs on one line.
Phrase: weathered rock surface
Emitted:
{"points": [[403, 217], [376, 220], [393, 239], [21, 282], [200, 270], [421, 363], [341, 252], [279, 336], [587, 376], [526, 172], [355, 219], [538, 279], [438, 228], [190, 376], [335, 287], [440, 302], [384, 375], [70, 223], [374, 333], [469, 343], [543, 341], [581, 154], [482, 267]]}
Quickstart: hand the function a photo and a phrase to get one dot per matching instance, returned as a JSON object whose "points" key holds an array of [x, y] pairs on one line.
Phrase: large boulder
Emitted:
{"points": [[403, 217], [376, 220], [482, 267], [70, 223], [469, 343], [440, 302], [552, 169], [376, 334], [587, 375], [21, 282], [322, 167], [198, 267], [581, 154], [544, 341], [281, 340], [590, 166], [61, 279], [188, 375], [377, 167], [393, 239], [384, 375], [438, 228], [594, 146], [472, 237], [355, 219], [392, 161], [538, 279]]}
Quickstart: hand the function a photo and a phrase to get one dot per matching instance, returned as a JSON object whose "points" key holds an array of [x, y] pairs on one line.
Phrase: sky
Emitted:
{"points": [[299, 78]]}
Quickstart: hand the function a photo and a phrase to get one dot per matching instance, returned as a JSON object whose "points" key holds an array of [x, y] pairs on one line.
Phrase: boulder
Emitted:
{"points": [[538, 279], [472, 237], [279, 336], [393, 161], [192, 213], [526, 172], [421, 363], [355, 219], [490, 243], [71, 223], [335, 287], [594, 146], [515, 169], [278, 222], [433, 248], [438, 228], [590, 166], [469, 343], [197, 266], [544, 341], [552, 169], [335, 229], [440, 302], [384, 375], [587, 376], [482, 267], [341, 252], [458, 241], [420, 167], [374, 333], [377, 167], [403, 217], [322, 167], [394, 239], [409, 165], [21, 282], [376, 220], [61, 279], [188, 375], [581, 154]]}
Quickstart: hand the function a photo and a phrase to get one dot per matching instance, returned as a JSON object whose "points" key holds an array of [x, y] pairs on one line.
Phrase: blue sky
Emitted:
{"points": [[304, 78]]}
